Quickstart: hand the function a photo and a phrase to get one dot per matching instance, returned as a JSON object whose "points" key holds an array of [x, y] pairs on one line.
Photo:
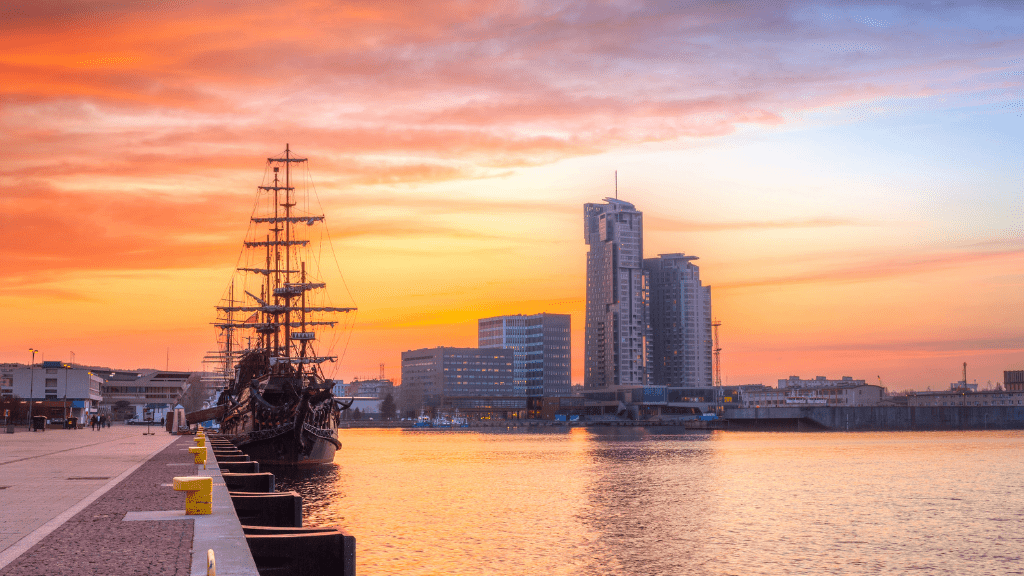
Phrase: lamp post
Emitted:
{"points": [[68, 410], [66, 366], [31, 385]]}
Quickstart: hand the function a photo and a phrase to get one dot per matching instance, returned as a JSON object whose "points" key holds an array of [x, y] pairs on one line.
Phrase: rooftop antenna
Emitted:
{"points": [[616, 184]]}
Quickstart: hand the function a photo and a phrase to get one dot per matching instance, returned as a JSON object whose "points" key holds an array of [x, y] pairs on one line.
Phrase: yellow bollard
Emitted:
{"points": [[200, 453], [211, 563], [198, 493], [200, 440]]}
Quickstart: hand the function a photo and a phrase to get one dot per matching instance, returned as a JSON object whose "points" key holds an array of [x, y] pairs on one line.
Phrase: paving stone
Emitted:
{"points": [[97, 540]]}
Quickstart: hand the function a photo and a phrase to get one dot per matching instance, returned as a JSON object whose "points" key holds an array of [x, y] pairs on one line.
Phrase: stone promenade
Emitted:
{"points": [[64, 494]]}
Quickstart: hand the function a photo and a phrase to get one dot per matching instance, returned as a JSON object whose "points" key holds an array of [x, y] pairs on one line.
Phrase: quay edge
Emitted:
{"points": [[877, 418]]}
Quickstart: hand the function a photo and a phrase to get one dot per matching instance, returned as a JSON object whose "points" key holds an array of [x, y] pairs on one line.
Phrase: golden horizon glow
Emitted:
{"points": [[852, 193]]}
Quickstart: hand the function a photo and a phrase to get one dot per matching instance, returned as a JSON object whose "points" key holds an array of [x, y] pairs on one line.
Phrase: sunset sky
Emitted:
{"points": [[849, 173]]}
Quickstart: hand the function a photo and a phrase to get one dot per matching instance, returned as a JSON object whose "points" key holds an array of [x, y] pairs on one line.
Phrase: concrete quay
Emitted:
{"points": [[100, 502], [877, 418]]}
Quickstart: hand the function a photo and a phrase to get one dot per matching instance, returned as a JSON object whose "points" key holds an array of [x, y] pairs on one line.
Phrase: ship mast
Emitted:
{"points": [[279, 292], [287, 253]]}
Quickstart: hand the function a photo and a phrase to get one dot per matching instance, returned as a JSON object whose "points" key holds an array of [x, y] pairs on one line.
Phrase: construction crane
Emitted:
{"points": [[718, 354], [719, 393]]}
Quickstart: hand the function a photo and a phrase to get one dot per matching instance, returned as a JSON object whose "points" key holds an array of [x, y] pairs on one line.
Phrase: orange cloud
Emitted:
{"points": [[660, 223], [882, 267]]}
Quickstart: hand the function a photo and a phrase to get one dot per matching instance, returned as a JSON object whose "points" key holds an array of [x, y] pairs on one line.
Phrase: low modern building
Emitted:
{"points": [[837, 395], [818, 382], [368, 406], [966, 398], [377, 388], [54, 389], [732, 396], [340, 389], [475, 381], [138, 395], [542, 351]]}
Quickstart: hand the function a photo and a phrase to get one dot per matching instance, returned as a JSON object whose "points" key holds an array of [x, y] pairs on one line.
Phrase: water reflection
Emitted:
{"points": [[319, 488], [653, 501], [647, 496]]}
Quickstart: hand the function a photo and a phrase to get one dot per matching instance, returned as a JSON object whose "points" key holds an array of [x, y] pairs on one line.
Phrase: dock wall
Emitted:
{"points": [[878, 418]]}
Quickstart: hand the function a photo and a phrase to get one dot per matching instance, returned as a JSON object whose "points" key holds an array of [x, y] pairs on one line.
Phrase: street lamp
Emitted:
{"points": [[67, 413], [31, 385], [66, 366]]}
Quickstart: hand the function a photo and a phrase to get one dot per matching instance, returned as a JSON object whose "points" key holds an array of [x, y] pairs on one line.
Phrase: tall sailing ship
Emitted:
{"points": [[278, 405]]}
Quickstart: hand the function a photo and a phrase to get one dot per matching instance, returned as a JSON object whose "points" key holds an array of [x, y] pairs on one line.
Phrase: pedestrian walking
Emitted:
{"points": [[92, 422]]}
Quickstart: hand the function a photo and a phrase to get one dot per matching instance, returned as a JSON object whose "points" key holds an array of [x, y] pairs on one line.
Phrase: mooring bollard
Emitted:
{"points": [[200, 441], [198, 493], [200, 453]]}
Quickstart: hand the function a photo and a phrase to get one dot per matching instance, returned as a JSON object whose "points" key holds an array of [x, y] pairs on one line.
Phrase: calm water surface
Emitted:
{"points": [[660, 501]]}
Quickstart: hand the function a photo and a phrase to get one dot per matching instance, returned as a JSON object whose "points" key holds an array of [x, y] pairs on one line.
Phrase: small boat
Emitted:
{"points": [[422, 422]]}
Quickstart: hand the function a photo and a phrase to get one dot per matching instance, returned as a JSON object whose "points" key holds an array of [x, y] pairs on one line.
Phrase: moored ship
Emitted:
{"points": [[278, 406]]}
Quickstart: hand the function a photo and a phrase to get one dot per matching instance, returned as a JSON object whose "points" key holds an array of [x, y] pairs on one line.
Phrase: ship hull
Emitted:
{"points": [[281, 452], [283, 431]]}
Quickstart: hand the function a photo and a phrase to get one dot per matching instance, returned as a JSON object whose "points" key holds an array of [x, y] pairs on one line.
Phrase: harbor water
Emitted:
{"points": [[662, 501]]}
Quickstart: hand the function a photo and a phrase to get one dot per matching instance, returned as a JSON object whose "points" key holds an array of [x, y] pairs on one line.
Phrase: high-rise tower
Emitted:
{"points": [[680, 322], [615, 344]]}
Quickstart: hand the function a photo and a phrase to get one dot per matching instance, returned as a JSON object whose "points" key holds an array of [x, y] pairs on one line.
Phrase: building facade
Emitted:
{"points": [[136, 395], [680, 322], [616, 332], [376, 388], [817, 382], [542, 351], [848, 394], [1013, 380], [475, 381], [965, 397], [55, 389]]}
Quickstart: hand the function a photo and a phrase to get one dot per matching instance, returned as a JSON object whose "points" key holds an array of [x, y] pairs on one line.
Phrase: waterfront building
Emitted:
{"points": [[841, 394], [966, 397], [1013, 380], [542, 351], [56, 389], [616, 334], [475, 381], [202, 390], [680, 322], [368, 406], [137, 395], [732, 396], [339, 389], [817, 382], [377, 388]]}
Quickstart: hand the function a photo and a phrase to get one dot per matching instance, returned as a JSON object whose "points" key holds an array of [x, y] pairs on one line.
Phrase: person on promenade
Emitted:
{"points": [[92, 422]]}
